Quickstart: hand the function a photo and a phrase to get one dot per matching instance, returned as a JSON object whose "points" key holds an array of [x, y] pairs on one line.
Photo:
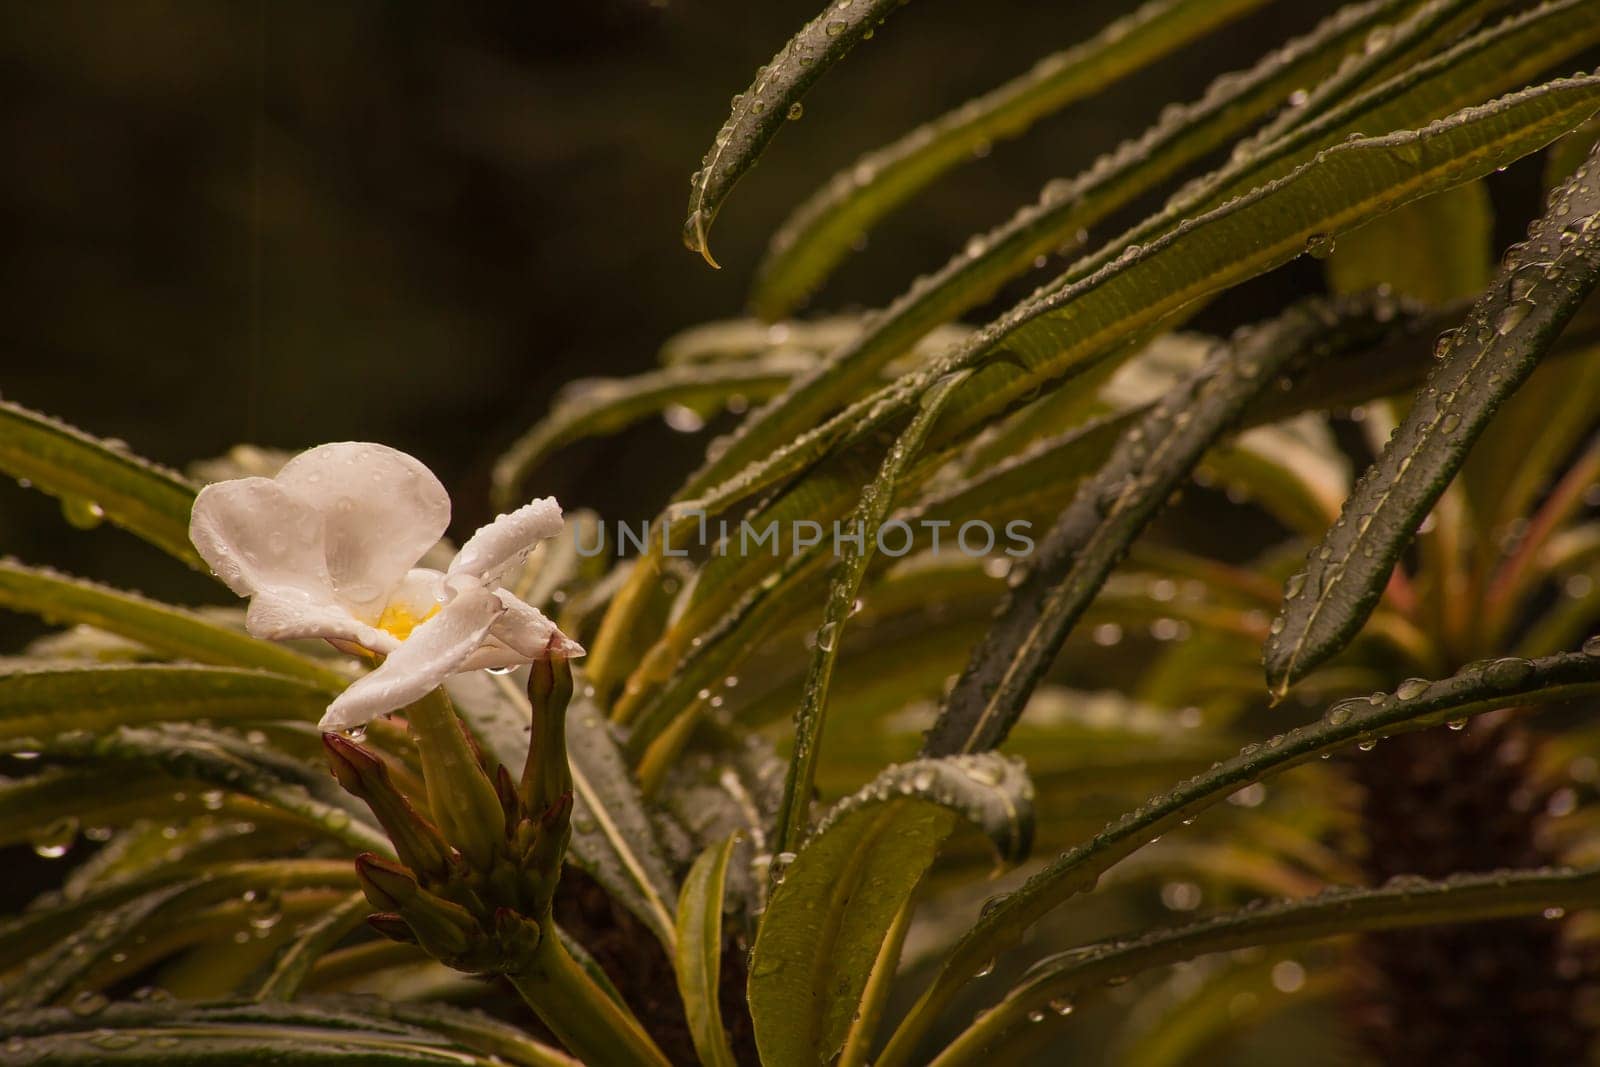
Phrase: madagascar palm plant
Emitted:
{"points": [[927, 723]]}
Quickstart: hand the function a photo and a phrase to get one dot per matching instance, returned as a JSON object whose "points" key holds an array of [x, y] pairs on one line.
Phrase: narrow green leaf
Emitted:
{"points": [[773, 99], [72, 960], [294, 961], [699, 960], [59, 598], [987, 262], [1055, 982], [39, 701], [194, 755], [1065, 332], [1057, 583], [1474, 690], [819, 233], [612, 837], [834, 902], [96, 479], [315, 1031], [1509, 331], [601, 406], [876, 499], [1435, 250]]}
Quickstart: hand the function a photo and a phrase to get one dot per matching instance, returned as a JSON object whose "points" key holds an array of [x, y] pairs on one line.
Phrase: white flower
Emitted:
{"points": [[328, 548]]}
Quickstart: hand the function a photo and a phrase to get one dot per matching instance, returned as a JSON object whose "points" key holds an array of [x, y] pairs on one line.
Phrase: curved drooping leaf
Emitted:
{"points": [[1065, 208], [36, 702], [1510, 329], [834, 901], [321, 1030], [1153, 458], [102, 942], [602, 406], [876, 499], [172, 631], [820, 231], [777, 442], [1474, 690], [773, 99], [95, 479], [699, 960], [292, 964], [1064, 332], [612, 837], [1051, 985], [191, 754]]}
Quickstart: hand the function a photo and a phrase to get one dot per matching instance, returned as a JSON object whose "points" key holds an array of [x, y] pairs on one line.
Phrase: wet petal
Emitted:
{"points": [[437, 649], [286, 614], [381, 511], [255, 535], [503, 544], [526, 631]]}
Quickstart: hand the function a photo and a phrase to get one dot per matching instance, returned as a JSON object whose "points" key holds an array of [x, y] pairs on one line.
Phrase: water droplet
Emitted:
{"points": [[1061, 1006], [796, 110], [56, 838], [500, 670], [1457, 724], [1368, 745], [1512, 316], [1591, 647], [1412, 688], [835, 28], [683, 419], [81, 512], [1508, 672], [87, 1003], [984, 971], [1319, 246]]}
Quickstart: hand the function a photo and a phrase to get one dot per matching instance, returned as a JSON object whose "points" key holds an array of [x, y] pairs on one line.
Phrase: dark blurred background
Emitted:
{"points": [[292, 222]]}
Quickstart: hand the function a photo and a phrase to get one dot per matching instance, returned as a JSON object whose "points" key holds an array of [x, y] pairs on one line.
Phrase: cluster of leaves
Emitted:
{"points": [[816, 760]]}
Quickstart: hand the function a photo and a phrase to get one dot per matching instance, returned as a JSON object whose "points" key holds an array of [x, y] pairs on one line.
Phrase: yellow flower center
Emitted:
{"points": [[398, 620]]}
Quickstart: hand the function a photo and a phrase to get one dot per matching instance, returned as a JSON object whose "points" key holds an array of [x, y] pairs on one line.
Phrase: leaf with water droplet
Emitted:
{"points": [[761, 111], [1504, 341]]}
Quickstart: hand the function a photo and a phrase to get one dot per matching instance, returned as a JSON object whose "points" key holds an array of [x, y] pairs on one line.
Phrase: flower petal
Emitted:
{"points": [[255, 535], [437, 649], [285, 614], [381, 511], [528, 632], [504, 543]]}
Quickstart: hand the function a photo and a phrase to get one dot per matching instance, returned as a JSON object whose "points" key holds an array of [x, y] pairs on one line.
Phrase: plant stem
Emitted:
{"points": [[460, 795], [594, 1027]]}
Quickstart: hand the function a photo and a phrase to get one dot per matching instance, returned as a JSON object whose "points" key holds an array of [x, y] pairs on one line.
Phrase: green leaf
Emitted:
{"points": [[1066, 331], [94, 478], [1053, 984], [171, 631], [93, 947], [834, 902], [190, 755], [876, 498], [1153, 458], [612, 836], [699, 960], [40, 701], [1065, 208], [818, 234], [322, 1030], [1435, 250], [1474, 690], [293, 963], [773, 99], [600, 406], [1510, 330]]}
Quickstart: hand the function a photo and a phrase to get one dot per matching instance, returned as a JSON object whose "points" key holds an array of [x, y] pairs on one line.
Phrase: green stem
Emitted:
{"points": [[594, 1027], [460, 795]]}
